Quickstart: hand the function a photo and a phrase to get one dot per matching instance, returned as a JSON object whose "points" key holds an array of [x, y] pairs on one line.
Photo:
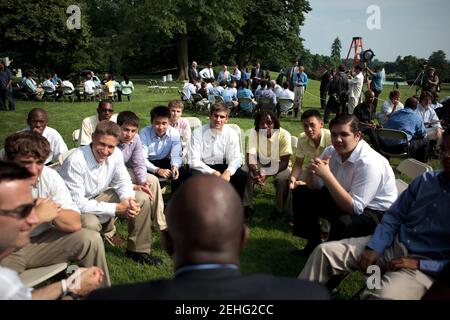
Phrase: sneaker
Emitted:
{"points": [[142, 257]]}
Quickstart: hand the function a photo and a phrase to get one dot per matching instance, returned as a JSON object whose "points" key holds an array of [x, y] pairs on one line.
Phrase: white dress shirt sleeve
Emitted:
{"points": [[145, 139], [196, 152], [72, 172], [233, 152], [176, 152]]}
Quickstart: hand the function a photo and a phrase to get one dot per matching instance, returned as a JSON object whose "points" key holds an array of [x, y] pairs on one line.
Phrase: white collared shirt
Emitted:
{"points": [[12, 287], [57, 144], [210, 147], [207, 73], [86, 178], [366, 176], [51, 185]]}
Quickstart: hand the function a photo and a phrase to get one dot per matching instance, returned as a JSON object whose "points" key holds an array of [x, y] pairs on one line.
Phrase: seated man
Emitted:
{"points": [[18, 217], [215, 149], [351, 185], [229, 95], [206, 263], [245, 92], [100, 185], [37, 121], [408, 121], [89, 86], [59, 217], [430, 119], [162, 148], [104, 112], [365, 112], [410, 244], [389, 107], [266, 93], [32, 88], [133, 155], [268, 155], [181, 124], [311, 143]]}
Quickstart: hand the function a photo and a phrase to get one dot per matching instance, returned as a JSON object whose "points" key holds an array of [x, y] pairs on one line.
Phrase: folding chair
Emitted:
{"points": [[392, 142], [411, 168], [285, 105]]}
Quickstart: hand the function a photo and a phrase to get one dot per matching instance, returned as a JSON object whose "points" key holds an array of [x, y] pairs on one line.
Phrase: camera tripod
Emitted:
{"points": [[419, 84]]}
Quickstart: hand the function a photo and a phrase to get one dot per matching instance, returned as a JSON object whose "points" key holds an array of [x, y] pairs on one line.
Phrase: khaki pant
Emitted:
{"points": [[157, 204], [299, 92], [281, 183], [83, 247], [139, 229], [340, 257]]}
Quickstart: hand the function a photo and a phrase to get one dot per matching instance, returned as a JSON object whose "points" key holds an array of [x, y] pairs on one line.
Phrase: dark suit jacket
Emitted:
{"points": [[253, 74], [216, 284], [193, 75]]}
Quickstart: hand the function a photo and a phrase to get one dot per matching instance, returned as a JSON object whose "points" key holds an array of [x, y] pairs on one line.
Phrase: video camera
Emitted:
{"points": [[424, 65]]}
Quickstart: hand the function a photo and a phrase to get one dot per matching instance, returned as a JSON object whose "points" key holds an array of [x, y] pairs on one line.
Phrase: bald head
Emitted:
{"points": [[205, 222]]}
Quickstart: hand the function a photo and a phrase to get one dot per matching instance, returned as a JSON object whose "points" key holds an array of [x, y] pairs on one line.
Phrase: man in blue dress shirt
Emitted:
{"points": [[411, 245], [162, 148]]}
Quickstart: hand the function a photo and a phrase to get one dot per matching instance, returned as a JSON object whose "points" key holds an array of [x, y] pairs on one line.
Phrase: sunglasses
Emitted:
{"points": [[107, 110], [20, 212]]}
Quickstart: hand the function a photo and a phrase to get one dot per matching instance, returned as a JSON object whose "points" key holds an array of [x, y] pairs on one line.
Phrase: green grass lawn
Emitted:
{"points": [[270, 246]]}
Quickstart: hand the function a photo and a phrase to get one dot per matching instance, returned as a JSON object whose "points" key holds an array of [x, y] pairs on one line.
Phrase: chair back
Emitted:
{"points": [[266, 103], [241, 141], [413, 168], [286, 104], [219, 99], [48, 90], [393, 142], [194, 122]]}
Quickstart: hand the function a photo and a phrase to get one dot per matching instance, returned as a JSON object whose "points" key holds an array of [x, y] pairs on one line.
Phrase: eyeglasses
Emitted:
{"points": [[20, 212], [107, 110]]}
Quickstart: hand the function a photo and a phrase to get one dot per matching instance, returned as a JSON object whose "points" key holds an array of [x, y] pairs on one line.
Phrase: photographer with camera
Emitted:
{"points": [[430, 81]]}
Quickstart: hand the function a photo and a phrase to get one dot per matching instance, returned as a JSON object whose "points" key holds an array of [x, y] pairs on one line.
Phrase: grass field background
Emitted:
{"points": [[270, 246]]}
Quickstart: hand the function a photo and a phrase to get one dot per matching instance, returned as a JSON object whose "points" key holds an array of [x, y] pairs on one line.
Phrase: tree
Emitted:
{"points": [[438, 60], [336, 49], [35, 35], [271, 33]]}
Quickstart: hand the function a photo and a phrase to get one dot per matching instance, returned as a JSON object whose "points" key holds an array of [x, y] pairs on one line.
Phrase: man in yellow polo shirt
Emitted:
{"points": [[311, 144], [268, 155]]}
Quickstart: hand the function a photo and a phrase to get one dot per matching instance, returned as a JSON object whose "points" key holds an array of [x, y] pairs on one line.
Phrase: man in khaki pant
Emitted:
{"points": [[58, 237], [100, 185], [410, 245]]}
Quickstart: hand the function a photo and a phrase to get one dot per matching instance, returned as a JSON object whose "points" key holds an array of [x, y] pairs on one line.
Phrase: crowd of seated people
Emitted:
{"points": [[117, 173]]}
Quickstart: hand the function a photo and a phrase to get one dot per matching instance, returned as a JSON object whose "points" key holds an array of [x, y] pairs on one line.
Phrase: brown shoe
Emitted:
{"points": [[115, 240]]}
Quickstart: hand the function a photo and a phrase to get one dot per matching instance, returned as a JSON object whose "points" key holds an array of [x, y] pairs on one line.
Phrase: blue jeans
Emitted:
{"points": [[5, 93]]}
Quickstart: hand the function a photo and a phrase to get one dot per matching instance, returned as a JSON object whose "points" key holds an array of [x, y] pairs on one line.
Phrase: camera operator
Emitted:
{"points": [[430, 81]]}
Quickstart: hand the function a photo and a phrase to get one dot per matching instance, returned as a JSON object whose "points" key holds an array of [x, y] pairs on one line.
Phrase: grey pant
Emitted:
{"points": [[340, 257]]}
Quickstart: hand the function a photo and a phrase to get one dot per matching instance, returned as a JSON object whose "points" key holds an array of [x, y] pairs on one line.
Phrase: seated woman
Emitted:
{"points": [[389, 107], [245, 92], [351, 185]]}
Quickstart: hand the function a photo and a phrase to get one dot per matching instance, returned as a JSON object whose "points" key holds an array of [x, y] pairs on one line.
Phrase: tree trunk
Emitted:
{"points": [[182, 53]]}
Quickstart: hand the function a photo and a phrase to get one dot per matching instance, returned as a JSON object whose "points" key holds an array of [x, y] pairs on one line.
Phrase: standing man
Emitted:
{"points": [[236, 76], [207, 73], [6, 88], [300, 81], [37, 122], [291, 74], [355, 82], [104, 112], [193, 73], [324, 82], [18, 217], [376, 83], [100, 185], [256, 75], [215, 149], [59, 225]]}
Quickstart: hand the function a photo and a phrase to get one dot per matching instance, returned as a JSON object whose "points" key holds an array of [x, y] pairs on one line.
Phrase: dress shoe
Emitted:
{"points": [[115, 240], [143, 257]]}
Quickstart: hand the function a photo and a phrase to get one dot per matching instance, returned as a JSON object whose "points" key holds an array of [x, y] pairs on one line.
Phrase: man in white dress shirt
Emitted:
{"points": [[355, 83], [18, 217], [59, 217], [351, 185], [37, 121], [215, 149], [207, 73], [100, 185]]}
